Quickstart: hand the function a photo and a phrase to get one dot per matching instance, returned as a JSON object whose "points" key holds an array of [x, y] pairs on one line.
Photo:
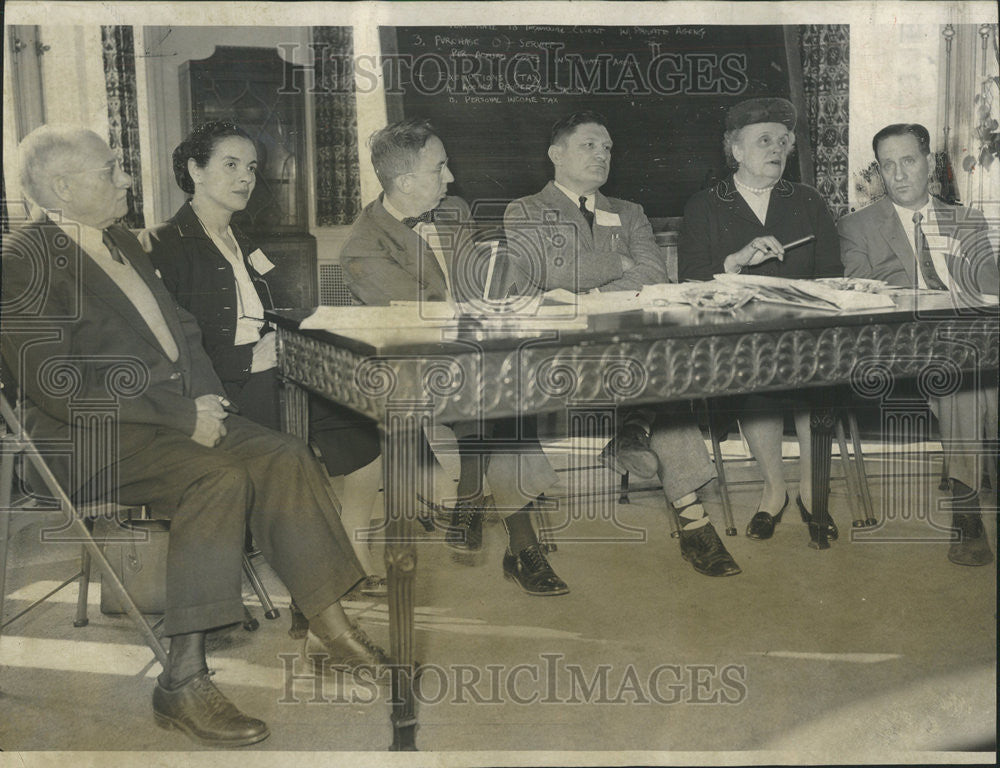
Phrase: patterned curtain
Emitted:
{"points": [[123, 118], [825, 54], [338, 186]]}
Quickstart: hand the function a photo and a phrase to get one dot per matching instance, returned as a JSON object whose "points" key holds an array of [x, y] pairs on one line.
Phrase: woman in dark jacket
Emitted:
{"points": [[218, 274], [740, 225]]}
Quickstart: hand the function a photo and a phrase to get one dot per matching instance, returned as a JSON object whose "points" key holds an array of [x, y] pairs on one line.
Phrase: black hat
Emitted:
{"points": [[767, 110]]}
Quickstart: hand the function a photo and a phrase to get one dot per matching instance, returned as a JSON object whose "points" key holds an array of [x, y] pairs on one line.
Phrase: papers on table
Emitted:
{"points": [[596, 302], [409, 317], [808, 294], [561, 309], [404, 316], [730, 292]]}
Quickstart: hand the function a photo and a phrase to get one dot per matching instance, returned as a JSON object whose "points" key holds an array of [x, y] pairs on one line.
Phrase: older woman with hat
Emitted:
{"points": [[739, 225]]}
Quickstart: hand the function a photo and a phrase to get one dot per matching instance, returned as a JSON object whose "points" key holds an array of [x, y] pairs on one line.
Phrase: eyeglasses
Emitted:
{"points": [[108, 169]]}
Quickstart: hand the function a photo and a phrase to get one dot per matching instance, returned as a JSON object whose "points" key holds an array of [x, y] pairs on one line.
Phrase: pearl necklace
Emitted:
{"points": [[755, 190]]}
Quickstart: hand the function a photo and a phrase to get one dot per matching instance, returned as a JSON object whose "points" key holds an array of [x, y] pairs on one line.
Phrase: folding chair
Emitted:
{"points": [[15, 442]]}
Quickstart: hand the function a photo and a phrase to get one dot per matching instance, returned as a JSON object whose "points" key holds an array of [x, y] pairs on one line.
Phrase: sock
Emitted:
{"points": [[964, 499], [520, 532], [470, 472], [690, 512]]}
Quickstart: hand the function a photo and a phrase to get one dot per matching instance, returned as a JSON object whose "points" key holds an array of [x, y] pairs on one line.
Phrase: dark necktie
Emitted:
{"points": [[427, 217], [924, 255], [109, 243], [587, 214]]}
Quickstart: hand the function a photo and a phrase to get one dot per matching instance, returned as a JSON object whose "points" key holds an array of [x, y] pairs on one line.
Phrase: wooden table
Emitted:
{"points": [[409, 378]]}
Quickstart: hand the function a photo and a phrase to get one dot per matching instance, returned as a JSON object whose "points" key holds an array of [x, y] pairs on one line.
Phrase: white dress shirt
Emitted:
{"points": [[938, 244], [429, 233], [758, 201], [589, 201], [91, 241], [249, 308]]}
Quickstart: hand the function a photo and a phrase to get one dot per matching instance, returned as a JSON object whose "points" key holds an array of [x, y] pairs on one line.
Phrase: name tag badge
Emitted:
{"points": [[607, 219], [260, 262]]}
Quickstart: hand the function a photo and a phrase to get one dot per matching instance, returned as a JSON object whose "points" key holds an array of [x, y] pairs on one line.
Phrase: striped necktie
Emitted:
{"points": [[109, 243], [931, 277]]}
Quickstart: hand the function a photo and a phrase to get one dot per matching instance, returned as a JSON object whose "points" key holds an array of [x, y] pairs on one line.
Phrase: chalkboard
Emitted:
{"points": [[493, 93]]}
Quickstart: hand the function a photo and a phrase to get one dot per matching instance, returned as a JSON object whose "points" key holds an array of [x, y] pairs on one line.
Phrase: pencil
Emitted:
{"points": [[800, 241]]}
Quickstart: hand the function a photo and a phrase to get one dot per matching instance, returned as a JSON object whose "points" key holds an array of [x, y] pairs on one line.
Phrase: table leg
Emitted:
{"points": [[295, 411], [821, 424], [404, 468]]}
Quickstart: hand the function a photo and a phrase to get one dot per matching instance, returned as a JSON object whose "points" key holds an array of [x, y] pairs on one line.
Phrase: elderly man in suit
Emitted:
{"points": [[408, 244], [572, 236], [910, 238], [79, 293]]}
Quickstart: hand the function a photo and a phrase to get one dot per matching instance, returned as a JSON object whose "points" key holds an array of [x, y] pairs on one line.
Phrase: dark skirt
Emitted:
{"points": [[346, 440]]}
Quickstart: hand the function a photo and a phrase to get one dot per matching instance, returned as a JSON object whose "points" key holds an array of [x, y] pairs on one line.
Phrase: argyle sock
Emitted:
{"points": [[690, 512]]}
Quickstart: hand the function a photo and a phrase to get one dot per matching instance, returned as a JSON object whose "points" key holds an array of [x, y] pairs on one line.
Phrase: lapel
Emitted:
{"points": [[891, 230], [734, 204], [555, 198], [602, 233], [189, 226], [98, 283], [411, 251]]}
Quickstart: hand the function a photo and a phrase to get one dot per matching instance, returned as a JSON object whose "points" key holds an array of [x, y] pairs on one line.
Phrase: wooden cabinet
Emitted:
{"points": [[263, 94]]}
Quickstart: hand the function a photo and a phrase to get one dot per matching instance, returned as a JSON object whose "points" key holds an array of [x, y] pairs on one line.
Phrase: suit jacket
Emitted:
{"points": [[718, 222], [61, 312], [202, 281], [875, 245], [384, 260], [550, 245]]}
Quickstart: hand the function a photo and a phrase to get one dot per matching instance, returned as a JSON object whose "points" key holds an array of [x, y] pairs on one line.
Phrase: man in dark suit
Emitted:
{"points": [[572, 236], [86, 320], [409, 245], [882, 242]]}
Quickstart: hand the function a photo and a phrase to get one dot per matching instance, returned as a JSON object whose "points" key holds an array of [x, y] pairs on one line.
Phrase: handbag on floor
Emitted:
{"points": [[139, 558]]}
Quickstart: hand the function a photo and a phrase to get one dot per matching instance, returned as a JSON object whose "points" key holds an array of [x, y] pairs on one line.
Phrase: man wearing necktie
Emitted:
{"points": [[410, 244], [910, 238], [86, 320], [571, 236]]}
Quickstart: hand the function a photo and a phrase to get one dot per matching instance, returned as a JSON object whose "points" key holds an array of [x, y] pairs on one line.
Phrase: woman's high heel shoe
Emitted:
{"points": [[762, 524]]}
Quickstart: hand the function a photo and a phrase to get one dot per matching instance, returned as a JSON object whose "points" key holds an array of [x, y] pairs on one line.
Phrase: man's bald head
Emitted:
{"points": [[73, 170]]}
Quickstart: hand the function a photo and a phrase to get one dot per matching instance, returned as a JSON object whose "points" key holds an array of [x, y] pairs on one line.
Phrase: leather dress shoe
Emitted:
{"points": [[374, 586], [531, 571], [761, 525], [971, 546], [831, 527], [629, 451], [198, 708], [703, 548], [465, 531], [352, 652]]}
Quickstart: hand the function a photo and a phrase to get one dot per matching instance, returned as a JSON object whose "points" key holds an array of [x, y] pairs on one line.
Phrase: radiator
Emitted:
{"points": [[333, 290]]}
